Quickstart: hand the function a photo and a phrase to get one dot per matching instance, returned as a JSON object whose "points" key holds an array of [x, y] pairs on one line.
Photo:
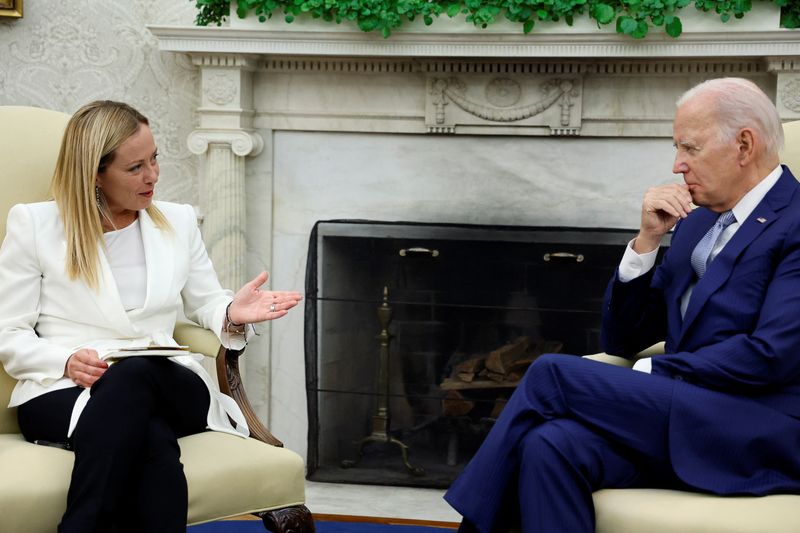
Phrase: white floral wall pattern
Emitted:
{"points": [[64, 54]]}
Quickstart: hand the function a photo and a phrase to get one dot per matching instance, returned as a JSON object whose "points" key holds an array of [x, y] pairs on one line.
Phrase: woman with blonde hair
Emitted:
{"points": [[104, 268]]}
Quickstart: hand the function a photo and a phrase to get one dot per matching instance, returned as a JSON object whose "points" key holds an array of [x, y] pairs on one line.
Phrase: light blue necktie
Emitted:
{"points": [[702, 251]]}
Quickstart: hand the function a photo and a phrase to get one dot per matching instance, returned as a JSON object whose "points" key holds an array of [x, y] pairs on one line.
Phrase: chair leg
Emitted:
{"points": [[288, 520]]}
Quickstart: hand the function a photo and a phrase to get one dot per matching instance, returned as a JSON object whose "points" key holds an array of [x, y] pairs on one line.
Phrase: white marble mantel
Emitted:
{"points": [[300, 123], [440, 44]]}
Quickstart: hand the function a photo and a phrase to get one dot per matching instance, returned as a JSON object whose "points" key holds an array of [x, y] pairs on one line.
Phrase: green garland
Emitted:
{"points": [[633, 17]]}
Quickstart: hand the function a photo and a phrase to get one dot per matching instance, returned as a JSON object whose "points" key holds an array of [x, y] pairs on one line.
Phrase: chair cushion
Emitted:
{"points": [[791, 151], [8, 417], [227, 476], [669, 511], [33, 485]]}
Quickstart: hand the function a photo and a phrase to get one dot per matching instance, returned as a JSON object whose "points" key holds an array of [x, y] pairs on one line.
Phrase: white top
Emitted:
{"points": [[125, 252], [634, 265]]}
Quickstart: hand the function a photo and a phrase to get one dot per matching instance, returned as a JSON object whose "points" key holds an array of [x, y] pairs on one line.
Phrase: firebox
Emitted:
{"points": [[417, 334]]}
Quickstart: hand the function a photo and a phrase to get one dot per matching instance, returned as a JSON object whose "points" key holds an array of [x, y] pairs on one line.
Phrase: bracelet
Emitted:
{"points": [[228, 318]]}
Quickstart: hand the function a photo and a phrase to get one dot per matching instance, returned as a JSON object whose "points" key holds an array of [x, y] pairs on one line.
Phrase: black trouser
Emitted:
{"points": [[127, 474]]}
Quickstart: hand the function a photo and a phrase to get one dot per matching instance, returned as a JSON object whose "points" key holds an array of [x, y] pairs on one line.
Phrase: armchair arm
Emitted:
{"points": [[200, 339], [655, 349], [205, 342]]}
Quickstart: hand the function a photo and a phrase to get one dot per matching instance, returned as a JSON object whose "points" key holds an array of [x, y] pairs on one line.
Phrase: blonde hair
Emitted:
{"points": [[90, 141]]}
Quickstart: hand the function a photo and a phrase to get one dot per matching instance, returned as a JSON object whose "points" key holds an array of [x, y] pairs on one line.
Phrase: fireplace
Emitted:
{"points": [[449, 316], [297, 125]]}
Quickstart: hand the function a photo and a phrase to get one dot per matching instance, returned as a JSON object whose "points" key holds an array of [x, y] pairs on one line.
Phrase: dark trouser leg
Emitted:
{"points": [[158, 496], [627, 408], [46, 417], [119, 440], [561, 464]]}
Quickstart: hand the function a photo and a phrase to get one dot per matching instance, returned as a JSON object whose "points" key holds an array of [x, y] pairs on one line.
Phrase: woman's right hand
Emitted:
{"points": [[84, 367]]}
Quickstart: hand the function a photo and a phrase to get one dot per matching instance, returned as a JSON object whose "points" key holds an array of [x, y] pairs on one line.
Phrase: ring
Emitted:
{"points": [[272, 308]]}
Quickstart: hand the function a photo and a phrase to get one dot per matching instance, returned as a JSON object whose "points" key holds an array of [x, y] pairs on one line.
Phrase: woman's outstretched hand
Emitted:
{"points": [[251, 304], [84, 367]]}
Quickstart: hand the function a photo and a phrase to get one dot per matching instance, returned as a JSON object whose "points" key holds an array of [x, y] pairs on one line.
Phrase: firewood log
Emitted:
{"points": [[454, 404], [472, 365], [499, 360]]}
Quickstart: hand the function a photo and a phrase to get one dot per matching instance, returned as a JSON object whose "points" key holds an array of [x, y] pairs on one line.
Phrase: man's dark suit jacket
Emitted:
{"points": [[735, 419]]}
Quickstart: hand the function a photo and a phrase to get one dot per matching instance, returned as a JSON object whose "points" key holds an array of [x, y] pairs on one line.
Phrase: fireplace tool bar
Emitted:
{"points": [[381, 420]]}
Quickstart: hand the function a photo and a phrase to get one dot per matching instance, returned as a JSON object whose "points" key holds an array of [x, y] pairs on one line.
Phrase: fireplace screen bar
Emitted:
{"points": [[416, 335]]}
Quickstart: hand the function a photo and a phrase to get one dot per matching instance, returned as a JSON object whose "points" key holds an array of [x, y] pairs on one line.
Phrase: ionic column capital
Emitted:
{"points": [[242, 142]]}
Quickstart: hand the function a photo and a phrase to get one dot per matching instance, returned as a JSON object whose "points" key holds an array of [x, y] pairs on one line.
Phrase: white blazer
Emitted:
{"points": [[45, 316]]}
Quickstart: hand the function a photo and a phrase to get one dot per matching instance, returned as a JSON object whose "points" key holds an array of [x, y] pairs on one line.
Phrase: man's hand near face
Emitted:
{"points": [[661, 208]]}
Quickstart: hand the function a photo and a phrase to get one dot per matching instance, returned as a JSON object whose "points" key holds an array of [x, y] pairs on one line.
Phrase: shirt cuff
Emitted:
{"points": [[634, 265], [644, 365]]}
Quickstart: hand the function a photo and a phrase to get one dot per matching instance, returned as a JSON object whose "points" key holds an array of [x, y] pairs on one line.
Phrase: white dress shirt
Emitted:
{"points": [[634, 265]]}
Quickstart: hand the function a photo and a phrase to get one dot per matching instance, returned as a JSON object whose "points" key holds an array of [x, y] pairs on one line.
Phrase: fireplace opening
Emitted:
{"points": [[416, 335]]}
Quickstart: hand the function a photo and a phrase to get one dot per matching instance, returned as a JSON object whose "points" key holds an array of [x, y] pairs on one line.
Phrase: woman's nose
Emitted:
{"points": [[151, 172]]}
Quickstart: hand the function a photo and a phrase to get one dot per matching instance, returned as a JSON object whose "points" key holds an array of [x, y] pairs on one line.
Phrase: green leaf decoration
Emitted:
{"points": [[673, 26], [641, 30], [626, 25], [528, 26], [603, 13], [633, 17]]}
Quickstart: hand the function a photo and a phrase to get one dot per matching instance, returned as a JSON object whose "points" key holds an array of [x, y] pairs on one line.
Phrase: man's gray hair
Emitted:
{"points": [[742, 104]]}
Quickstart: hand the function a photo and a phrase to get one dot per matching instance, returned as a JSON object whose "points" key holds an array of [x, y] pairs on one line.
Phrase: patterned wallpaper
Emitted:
{"points": [[61, 55]]}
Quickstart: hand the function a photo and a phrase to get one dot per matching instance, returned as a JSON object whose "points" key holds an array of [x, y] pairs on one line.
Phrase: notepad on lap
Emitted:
{"points": [[146, 351]]}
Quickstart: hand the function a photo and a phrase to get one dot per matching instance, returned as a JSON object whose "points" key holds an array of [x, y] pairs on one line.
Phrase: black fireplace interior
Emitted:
{"points": [[464, 308]]}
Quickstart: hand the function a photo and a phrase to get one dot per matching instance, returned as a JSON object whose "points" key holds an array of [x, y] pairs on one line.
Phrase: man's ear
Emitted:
{"points": [[747, 145]]}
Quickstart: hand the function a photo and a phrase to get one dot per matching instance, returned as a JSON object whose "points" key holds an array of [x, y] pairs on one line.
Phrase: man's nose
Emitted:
{"points": [[679, 166]]}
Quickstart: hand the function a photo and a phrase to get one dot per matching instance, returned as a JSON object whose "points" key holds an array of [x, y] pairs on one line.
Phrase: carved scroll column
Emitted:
{"points": [[226, 137], [787, 87]]}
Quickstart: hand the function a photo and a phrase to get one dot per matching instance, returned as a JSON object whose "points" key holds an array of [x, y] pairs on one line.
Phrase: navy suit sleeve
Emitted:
{"points": [[634, 314], [757, 361]]}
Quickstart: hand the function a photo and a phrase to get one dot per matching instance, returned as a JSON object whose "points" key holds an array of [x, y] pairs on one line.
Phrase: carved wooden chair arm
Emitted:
{"points": [[230, 382]]}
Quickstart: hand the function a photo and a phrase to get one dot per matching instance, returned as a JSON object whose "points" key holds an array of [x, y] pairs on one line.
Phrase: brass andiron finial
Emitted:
{"points": [[382, 417]]}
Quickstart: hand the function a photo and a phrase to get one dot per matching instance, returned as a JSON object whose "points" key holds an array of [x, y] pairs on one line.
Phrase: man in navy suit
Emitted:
{"points": [[719, 412]]}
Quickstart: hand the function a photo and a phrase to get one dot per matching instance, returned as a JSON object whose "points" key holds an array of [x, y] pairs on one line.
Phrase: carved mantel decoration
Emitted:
{"points": [[508, 100]]}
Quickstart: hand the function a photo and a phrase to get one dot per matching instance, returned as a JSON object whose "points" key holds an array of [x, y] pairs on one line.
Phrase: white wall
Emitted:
{"points": [[61, 55]]}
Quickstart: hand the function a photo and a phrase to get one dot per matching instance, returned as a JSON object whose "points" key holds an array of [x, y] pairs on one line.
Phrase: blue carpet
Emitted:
{"points": [[254, 526]]}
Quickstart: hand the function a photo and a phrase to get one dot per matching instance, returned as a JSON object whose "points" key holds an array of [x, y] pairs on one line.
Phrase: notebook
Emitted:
{"points": [[146, 351]]}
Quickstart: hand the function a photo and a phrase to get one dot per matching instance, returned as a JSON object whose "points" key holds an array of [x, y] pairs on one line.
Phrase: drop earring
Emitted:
{"points": [[97, 198]]}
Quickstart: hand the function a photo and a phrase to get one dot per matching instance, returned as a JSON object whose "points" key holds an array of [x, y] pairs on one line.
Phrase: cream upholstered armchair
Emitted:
{"points": [[671, 511], [227, 475]]}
